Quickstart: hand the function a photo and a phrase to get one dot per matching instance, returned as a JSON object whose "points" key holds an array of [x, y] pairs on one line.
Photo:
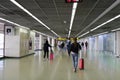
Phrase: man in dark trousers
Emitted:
{"points": [[68, 47]]}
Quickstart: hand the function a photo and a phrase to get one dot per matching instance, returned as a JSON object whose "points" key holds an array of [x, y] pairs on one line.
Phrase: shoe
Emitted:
{"points": [[75, 70]]}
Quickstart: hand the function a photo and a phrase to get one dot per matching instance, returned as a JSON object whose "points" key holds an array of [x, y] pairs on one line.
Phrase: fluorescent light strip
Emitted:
{"points": [[69, 33], [102, 33], [105, 23], [19, 25], [54, 33], [72, 17], [12, 23], [84, 34], [116, 29], [25, 10]]}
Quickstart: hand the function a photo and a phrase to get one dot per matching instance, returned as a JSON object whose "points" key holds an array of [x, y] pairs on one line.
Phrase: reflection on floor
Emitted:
{"points": [[98, 66]]}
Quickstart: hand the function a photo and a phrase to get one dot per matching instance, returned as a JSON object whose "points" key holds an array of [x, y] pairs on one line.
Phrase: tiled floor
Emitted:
{"points": [[98, 66]]}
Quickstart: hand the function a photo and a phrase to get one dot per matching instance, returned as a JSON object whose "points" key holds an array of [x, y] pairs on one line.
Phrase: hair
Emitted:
{"points": [[46, 41], [75, 39]]}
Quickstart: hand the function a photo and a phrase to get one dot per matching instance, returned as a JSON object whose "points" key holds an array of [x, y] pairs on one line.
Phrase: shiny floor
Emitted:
{"points": [[98, 66]]}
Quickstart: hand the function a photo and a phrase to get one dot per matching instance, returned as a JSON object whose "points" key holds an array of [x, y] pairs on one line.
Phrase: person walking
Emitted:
{"points": [[69, 47], [75, 47], [86, 44], [46, 49], [82, 44]]}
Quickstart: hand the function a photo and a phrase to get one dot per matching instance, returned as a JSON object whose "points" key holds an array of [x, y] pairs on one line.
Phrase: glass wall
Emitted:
{"points": [[109, 42], [104, 43], [92, 43]]}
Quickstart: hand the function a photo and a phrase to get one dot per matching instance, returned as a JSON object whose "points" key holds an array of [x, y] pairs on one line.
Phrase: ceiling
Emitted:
{"points": [[56, 14]]}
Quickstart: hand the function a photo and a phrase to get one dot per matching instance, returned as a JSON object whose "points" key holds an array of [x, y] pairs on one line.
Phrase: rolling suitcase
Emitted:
{"points": [[81, 64], [51, 55]]}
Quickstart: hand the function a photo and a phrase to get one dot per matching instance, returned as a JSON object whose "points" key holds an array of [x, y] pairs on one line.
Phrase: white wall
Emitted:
{"points": [[12, 46], [1, 26], [1, 39], [11, 28], [16, 45]]}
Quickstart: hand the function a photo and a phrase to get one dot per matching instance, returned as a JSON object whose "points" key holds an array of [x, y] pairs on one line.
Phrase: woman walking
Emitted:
{"points": [[75, 47], [46, 49]]}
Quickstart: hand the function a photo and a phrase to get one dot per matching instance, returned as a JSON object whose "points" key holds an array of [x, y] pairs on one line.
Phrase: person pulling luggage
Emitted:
{"points": [[75, 47]]}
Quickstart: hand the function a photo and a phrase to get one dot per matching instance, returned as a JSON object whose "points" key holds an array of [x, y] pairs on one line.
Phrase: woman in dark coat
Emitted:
{"points": [[75, 47], [46, 49]]}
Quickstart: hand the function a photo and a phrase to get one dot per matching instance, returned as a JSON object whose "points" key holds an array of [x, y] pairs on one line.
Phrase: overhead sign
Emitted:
{"points": [[62, 39], [73, 1]]}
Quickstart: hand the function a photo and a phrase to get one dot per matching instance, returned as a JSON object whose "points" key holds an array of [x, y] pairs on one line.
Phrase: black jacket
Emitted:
{"points": [[75, 47], [46, 47]]}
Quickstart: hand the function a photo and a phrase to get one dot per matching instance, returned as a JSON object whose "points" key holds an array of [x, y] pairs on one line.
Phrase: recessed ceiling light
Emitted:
{"points": [[72, 17], [65, 22]]}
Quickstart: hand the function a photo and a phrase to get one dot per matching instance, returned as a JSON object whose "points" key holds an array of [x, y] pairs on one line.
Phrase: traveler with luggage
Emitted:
{"points": [[75, 47], [46, 49]]}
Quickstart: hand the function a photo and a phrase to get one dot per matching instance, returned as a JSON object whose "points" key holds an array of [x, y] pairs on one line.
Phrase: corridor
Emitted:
{"points": [[98, 66]]}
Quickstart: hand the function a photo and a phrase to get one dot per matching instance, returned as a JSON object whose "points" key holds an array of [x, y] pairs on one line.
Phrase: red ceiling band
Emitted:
{"points": [[73, 1]]}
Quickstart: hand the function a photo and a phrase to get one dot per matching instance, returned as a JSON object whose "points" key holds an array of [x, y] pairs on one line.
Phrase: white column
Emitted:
{"points": [[118, 43], [53, 42], [96, 43], [41, 38], [100, 42]]}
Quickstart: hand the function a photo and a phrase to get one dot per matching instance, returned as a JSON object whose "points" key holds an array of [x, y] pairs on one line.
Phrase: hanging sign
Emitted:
{"points": [[73, 1]]}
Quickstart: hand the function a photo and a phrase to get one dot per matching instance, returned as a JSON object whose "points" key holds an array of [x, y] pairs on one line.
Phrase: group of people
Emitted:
{"points": [[72, 48]]}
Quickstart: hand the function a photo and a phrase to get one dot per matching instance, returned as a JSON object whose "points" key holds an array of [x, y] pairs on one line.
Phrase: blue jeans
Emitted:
{"points": [[75, 60]]}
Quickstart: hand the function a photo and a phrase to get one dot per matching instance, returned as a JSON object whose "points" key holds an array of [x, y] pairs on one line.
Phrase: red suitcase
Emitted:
{"points": [[81, 64], [51, 56]]}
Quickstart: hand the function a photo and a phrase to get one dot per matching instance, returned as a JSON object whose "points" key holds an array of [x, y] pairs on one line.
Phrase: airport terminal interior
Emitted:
{"points": [[26, 25]]}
